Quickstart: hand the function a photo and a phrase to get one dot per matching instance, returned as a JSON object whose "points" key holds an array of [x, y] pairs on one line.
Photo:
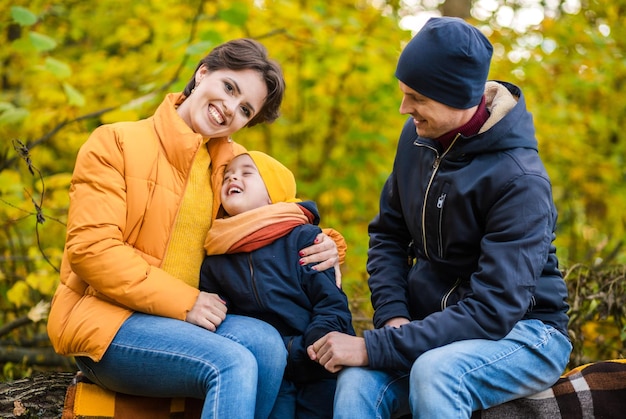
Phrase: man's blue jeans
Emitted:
{"points": [[237, 370], [456, 379]]}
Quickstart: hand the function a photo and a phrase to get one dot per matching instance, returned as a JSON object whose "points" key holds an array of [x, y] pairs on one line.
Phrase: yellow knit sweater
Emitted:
{"points": [[185, 251]]}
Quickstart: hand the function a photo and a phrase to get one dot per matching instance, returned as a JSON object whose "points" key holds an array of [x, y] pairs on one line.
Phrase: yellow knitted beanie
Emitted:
{"points": [[279, 181]]}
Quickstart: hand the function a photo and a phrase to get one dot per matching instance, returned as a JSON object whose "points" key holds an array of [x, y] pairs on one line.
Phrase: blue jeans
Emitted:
{"points": [[236, 370], [456, 379]]}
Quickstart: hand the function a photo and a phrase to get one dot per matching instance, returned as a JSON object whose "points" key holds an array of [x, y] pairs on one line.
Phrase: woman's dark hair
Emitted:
{"points": [[247, 54]]}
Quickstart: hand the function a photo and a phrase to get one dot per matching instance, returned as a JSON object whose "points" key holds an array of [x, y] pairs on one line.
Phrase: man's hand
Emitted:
{"points": [[337, 350], [209, 311]]}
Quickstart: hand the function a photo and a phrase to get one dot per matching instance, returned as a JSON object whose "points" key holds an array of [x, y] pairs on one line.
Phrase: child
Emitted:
{"points": [[251, 265]]}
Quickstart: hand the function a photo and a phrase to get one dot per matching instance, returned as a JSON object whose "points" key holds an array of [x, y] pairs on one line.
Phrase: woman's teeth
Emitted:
{"points": [[215, 115]]}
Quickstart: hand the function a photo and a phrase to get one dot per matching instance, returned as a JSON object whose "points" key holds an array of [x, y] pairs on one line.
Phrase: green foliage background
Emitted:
{"points": [[67, 67]]}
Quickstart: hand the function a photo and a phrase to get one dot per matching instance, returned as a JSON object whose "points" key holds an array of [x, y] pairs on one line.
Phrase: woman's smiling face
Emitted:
{"points": [[223, 101]]}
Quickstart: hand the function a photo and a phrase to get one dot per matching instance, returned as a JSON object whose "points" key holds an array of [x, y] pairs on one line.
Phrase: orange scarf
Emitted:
{"points": [[256, 228]]}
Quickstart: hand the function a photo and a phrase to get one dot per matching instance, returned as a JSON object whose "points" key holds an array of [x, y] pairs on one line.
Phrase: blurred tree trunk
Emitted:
{"points": [[457, 8]]}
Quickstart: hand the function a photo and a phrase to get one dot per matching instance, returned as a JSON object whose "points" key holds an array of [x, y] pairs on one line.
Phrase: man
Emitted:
{"points": [[469, 302]]}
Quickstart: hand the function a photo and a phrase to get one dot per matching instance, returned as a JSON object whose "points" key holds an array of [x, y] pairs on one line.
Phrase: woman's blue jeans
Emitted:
{"points": [[454, 380], [236, 370]]}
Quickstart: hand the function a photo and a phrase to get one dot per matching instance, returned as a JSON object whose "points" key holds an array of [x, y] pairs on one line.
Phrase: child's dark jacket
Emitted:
{"points": [[269, 284]]}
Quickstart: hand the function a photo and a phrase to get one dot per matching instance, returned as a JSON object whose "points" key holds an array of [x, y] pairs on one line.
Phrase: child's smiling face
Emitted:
{"points": [[243, 188]]}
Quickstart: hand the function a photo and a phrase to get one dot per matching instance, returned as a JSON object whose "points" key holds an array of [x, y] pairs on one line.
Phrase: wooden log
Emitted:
{"points": [[40, 396]]}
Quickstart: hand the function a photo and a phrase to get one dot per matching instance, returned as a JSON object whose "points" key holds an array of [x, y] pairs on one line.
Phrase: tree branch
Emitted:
{"points": [[35, 356], [36, 314]]}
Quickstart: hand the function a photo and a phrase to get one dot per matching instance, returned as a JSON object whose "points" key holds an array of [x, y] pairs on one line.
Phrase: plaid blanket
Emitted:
{"points": [[596, 390], [85, 400]]}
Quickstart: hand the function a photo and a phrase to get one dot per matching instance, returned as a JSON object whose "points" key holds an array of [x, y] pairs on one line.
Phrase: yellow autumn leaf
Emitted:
{"points": [[19, 294], [43, 281]]}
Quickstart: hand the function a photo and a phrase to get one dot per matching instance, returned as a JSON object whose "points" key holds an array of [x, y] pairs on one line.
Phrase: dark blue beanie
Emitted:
{"points": [[447, 61]]}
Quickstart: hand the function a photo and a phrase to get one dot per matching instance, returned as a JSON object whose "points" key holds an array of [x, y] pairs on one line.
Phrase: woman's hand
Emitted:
{"points": [[324, 251], [209, 311]]}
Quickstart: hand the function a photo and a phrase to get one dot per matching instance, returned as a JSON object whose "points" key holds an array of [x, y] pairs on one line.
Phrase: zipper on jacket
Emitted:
{"points": [[255, 291], [444, 299], [533, 303], [410, 251], [436, 163], [440, 201]]}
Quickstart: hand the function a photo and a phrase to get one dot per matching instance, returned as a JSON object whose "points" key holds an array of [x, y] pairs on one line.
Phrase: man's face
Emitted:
{"points": [[432, 119]]}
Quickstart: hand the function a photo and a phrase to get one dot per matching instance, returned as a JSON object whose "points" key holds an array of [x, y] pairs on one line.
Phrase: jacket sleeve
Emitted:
{"points": [[95, 243], [330, 311], [208, 281], [389, 256], [329, 304], [340, 242]]}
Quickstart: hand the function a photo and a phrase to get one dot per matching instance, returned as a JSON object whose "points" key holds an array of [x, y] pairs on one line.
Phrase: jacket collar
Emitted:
{"points": [[181, 143], [509, 126], [178, 140]]}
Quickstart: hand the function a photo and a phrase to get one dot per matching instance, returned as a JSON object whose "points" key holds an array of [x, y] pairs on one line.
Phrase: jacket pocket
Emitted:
{"points": [[459, 290], [441, 206]]}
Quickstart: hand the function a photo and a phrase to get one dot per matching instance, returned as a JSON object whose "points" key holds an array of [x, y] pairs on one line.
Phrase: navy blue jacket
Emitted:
{"points": [[462, 245], [269, 284]]}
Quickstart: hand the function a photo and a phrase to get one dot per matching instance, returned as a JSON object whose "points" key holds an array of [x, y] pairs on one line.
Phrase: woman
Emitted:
{"points": [[128, 305]]}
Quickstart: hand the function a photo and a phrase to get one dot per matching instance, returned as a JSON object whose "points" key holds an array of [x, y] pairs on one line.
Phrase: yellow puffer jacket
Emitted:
{"points": [[126, 190]]}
